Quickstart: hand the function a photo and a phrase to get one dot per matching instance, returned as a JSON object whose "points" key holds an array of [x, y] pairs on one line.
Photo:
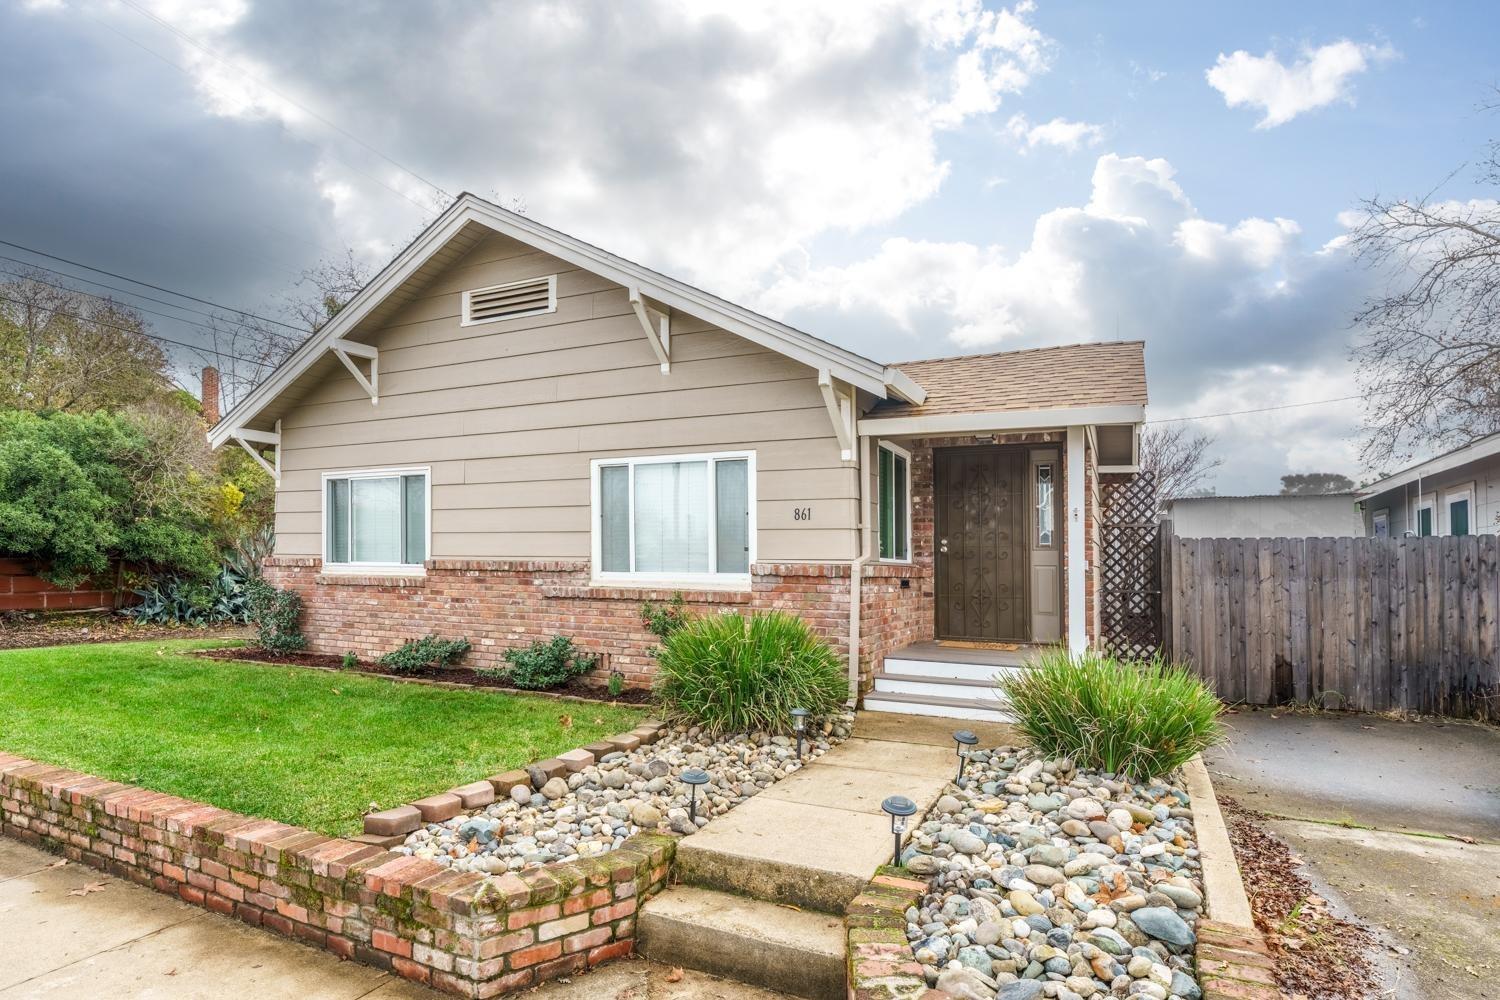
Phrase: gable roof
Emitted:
{"points": [[462, 225], [1479, 448], [1105, 373]]}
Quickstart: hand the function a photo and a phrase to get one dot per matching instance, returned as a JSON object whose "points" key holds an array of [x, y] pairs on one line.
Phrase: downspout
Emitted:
{"points": [[857, 566]]}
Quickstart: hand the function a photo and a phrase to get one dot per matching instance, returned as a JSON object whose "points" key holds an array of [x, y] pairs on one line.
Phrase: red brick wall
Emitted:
{"points": [[503, 604], [464, 933], [22, 590]]}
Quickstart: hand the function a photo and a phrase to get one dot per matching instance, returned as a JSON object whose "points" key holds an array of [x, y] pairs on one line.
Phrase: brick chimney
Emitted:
{"points": [[210, 395]]}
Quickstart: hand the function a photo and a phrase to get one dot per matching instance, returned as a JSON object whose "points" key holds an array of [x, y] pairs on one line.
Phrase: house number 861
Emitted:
{"points": [[801, 513]]}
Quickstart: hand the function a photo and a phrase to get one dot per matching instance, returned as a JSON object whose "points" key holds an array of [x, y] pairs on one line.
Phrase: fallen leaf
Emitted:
{"points": [[87, 888], [59, 863], [170, 972], [565, 721], [675, 976]]}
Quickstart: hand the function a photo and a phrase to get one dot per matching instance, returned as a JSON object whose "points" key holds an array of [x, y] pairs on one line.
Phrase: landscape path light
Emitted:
{"points": [[693, 777], [963, 738], [799, 724], [898, 807]]}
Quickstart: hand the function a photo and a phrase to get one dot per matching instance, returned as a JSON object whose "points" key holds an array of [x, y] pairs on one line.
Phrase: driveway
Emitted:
{"points": [[1380, 812], [68, 931]]}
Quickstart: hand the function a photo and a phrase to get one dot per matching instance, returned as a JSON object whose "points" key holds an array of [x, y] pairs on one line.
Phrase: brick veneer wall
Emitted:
{"points": [[21, 589], [499, 604], [464, 933]]}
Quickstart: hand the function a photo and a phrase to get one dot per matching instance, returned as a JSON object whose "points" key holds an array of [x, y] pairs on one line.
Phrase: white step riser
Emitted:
{"points": [[935, 668], [935, 688], [978, 713]]}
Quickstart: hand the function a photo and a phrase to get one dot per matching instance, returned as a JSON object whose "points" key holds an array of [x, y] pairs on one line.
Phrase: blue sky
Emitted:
{"points": [[907, 177]]}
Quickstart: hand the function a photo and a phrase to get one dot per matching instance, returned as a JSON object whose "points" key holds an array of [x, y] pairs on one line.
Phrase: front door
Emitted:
{"points": [[980, 505]]}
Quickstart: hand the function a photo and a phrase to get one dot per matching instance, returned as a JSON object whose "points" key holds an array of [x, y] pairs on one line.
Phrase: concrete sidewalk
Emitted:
{"points": [[128, 943]]}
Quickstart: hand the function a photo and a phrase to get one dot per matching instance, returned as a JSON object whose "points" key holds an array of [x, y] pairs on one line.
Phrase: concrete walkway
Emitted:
{"points": [[817, 837], [129, 943], [1434, 901]]}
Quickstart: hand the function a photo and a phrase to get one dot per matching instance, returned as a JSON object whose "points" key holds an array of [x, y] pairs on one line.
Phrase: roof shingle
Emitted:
{"points": [[1104, 373]]}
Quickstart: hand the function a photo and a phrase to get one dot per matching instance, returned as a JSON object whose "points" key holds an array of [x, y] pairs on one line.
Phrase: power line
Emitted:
{"points": [[100, 284], [1258, 409], [201, 46], [140, 333], [156, 288]]}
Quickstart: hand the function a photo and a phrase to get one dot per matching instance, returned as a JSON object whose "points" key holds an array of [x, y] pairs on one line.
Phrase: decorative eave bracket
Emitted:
{"points": [[658, 327], [347, 351], [249, 438], [840, 411]]}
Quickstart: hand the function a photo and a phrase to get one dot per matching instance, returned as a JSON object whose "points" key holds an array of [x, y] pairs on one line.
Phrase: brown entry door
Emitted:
{"points": [[980, 522]]}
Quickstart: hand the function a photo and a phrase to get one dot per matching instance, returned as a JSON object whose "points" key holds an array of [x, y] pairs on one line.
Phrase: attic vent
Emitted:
{"points": [[510, 301]]}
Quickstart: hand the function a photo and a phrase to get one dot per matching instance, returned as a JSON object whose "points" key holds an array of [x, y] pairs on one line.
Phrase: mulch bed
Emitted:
{"points": [[1318, 955], [459, 676], [30, 630]]}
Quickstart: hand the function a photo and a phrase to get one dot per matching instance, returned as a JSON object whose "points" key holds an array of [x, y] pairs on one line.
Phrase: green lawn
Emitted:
{"points": [[301, 746]]}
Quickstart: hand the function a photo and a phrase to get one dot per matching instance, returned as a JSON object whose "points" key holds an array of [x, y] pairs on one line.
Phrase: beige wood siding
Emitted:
{"points": [[509, 414]]}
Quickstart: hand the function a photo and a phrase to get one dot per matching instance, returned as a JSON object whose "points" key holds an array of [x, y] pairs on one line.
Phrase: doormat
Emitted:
{"points": [[966, 644]]}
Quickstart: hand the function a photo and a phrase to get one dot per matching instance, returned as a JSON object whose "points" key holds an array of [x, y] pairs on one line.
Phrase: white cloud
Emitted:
{"points": [[1321, 77], [708, 137], [1058, 132]]}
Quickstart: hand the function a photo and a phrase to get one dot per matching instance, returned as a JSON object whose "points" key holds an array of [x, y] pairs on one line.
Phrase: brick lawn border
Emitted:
{"points": [[880, 962], [465, 933]]}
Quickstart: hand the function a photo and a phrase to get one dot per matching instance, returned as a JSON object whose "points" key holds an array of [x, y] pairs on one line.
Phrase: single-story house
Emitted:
{"points": [[511, 434], [1329, 515], [1455, 493]]}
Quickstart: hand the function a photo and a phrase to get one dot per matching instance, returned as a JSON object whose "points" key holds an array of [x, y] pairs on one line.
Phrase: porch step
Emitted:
{"points": [[893, 682], [987, 709], [744, 868], [983, 672], [798, 952]]}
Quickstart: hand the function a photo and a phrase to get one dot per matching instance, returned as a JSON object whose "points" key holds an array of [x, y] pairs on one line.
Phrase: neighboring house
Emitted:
{"points": [[1330, 515], [1456, 493], [510, 434]]}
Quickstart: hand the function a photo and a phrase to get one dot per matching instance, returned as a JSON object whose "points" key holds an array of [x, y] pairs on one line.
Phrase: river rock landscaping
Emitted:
{"points": [[1050, 881], [592, 811]]}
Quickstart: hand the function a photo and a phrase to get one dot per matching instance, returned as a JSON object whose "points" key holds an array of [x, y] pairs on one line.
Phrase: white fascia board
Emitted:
{"points": [[904, 387], [805, 348], [1003, 420], [1483, 448]]}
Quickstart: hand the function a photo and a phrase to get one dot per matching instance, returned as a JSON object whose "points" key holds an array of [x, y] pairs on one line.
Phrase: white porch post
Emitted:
{"points": [[1077, 628]]}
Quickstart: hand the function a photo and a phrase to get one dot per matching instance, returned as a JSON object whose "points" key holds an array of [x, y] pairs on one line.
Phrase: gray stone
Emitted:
{"points": [[554, 789], [964, 983], [520, 794], [1024, 989], [965, 842], [645, 816], [1187, 898], [1164, 925], [948, 804]]}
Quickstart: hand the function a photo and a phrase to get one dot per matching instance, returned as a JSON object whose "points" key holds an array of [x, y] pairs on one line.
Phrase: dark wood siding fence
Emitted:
{"points": [[1369, 624]]}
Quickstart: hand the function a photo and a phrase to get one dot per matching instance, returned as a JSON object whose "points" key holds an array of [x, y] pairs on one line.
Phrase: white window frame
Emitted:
{"points": [[467, 298], [1453, 495], [894, 449], [694, 581], [394, 472], [1427, 501]]}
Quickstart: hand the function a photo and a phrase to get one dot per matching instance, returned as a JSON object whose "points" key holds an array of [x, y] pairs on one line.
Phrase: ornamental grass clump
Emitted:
{"points": [[732, 674], [1141, 718]]}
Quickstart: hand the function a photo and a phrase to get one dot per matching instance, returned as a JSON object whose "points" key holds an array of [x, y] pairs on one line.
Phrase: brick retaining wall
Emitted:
{"points": [[500, 604], [464, 933], [21, 589]]}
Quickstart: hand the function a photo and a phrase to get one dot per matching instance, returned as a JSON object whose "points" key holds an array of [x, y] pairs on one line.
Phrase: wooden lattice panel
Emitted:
{"points": [[1129, 567]]}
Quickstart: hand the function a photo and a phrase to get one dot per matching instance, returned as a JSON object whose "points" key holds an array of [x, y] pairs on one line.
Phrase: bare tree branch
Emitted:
{"points": [[1179, 459]]}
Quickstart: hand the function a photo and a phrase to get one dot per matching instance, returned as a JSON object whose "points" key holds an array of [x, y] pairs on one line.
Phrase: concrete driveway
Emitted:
{"points": [[1375, 809]]}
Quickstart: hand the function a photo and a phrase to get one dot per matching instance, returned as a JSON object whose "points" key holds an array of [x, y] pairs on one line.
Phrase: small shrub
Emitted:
{"points": [[1138, 718], [546, 664], [661, 620], [730, 674], [180, 600], [427, 653], [351, 660], [616, 684], [275, 614]]}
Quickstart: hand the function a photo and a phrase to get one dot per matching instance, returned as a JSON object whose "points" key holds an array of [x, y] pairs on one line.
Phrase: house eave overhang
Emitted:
{"points": [[859, 372], [1002, 420], [1483, 448]]}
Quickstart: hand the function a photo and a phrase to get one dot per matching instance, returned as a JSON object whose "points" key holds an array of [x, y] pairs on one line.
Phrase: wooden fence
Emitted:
{"points": [[1371, 624]]}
